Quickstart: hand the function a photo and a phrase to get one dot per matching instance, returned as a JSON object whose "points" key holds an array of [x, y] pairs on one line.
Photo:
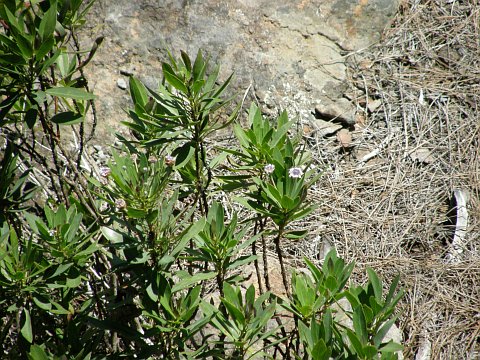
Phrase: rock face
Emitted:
{"points": [[291, 52]]}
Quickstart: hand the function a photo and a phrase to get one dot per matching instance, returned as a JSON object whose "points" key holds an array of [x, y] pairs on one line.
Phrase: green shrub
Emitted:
{"points": [[144, 258]]}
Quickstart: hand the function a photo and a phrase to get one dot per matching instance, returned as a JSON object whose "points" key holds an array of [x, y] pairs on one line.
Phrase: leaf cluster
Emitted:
{"points": [[149, 260]]}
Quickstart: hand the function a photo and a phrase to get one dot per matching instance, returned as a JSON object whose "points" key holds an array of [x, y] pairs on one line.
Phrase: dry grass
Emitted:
{"points": [[390, 213]]}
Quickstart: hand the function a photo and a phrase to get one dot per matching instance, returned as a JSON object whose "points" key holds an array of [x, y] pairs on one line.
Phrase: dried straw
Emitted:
{"points": [[418, 95]]}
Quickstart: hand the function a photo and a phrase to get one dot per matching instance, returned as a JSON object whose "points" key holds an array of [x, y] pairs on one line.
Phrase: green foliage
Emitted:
{"points": [[123, 267], [322, 330], [275, 161], [43, 276], [244, 322], [14, 192], [220, 245], [33, 42], [186, 109]]}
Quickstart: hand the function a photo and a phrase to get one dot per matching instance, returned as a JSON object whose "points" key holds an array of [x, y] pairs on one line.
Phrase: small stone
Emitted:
{"points": [[374, 105], [341, 110], [422, 155], [365, 64], [360, 121], [325, 128], [122, 84], [344, 137]]}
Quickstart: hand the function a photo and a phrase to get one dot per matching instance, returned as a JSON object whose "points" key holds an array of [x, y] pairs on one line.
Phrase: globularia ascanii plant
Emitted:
{"points": [[144, 256]]}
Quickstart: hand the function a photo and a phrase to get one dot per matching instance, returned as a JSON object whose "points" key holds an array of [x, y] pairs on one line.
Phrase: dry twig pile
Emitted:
{"points": [[418, 95]]}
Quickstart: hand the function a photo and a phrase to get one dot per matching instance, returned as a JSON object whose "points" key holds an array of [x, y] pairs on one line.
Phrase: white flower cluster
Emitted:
{"points": [[295, 172]]}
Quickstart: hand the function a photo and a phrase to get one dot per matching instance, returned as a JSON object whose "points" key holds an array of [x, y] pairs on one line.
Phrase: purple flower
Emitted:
{"points": [[269, 168], [120, 204], [295, 172], [103, 207], [169, 160], [105, 171], [152, 159]]}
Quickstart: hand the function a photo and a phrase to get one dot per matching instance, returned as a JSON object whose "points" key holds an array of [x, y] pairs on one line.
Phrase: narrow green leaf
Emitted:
{"points": [[67, 118], [49, 62], [186, 60], [370, 352], [378, 338], [10, 44], [12, 20], [359, 324], [391, 347], [193, 279], [111, 235], [191, 232], [25, 45], [26, 330], [197, 86], [71, 93], [37, 353], [305, 297], [61, 269], [391, 291], [296, 234], [138, 92], [44, 306], [73, 283], [173, 79], [305, 334], [376, 284], [31, 117], [63, 63], [250, 296], [222, 88], [320, 351], [152, 292], [73, 227], [232, 295], [241, 261], [236, 314], [136, 213], [48, 22], [183, 154], [199, 67], [357, 345], [328, 324]]}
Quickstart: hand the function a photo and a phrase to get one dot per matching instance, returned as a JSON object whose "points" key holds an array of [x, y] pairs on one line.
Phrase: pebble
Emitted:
{"points": [[122, 84], [341, 110]]}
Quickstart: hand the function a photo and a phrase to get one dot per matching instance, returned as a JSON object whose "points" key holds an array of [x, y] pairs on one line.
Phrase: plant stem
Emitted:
{"points": [[278, 249], [265, 264], [254, 252]]}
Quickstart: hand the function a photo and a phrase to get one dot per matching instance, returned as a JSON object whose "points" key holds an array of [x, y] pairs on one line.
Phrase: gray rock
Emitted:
{"points": [[121, 83], [291, 52], [341, 110], [355, 25], [325, 128]]}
